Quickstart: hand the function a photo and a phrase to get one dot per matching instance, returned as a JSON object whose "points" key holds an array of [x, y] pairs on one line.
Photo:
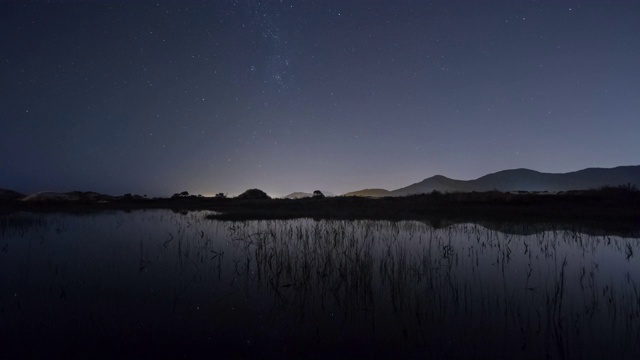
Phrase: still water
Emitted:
{"points": [[158, 283]]}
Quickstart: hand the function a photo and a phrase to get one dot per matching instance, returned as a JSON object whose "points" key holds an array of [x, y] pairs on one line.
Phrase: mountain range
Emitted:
{"points": [[505, 181], [519, 180]]}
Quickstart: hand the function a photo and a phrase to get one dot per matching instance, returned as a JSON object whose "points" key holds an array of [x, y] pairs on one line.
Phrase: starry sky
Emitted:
{"points": [[157, 97]]}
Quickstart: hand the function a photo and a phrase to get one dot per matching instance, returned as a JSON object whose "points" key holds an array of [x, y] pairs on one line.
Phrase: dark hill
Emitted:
{"points": [[10, 195], [434, 183], [369, 193], [529, 180]]}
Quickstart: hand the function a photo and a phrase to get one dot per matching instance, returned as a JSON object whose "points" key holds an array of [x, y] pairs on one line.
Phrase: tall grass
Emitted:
{"points": [[544, 292]]}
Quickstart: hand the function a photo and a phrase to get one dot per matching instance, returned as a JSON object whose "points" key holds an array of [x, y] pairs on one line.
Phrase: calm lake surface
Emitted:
{"points": [[158, 283]]}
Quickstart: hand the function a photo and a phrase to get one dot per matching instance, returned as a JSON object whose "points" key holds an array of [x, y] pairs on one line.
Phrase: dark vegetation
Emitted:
{"points": [[254, 194], [606, 208], [10, 195]]}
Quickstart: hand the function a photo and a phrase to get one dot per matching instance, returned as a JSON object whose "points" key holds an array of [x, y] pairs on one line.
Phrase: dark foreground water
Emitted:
{"points": [[161, 284]]}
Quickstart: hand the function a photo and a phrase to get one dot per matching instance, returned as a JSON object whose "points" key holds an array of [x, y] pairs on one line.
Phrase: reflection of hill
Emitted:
{"points": [[612, 210], [520, 227]]}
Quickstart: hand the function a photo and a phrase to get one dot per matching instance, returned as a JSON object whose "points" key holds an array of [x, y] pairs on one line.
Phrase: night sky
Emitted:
{"points": [[157, 97]]}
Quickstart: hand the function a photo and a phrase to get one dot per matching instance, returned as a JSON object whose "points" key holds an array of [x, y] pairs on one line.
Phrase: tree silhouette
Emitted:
{"points": [[318, 194], [180, 195]]}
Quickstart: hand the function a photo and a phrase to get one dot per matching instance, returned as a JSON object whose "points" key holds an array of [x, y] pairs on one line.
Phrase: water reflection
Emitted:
{"points": [[161, 283]]}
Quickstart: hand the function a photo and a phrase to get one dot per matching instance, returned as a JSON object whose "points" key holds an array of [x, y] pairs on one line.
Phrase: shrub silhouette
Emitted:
{"points": [[318, 194], [254, 194]]}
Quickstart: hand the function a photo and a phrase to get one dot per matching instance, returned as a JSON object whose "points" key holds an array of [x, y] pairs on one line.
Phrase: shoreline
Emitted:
{"points": [[612, 209]]}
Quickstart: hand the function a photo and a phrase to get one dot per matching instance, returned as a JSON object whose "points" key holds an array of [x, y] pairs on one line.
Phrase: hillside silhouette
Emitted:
{"points": [[369, 193], [6, 194], [302, 194], [529, 180]]}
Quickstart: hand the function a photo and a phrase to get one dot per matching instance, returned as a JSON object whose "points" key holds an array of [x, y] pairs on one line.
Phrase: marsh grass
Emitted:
{"points": [[20, 223], [485, 288]]}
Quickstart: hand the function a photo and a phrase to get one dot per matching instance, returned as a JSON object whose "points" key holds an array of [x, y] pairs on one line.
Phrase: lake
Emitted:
{"points": [[156, 283]]}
